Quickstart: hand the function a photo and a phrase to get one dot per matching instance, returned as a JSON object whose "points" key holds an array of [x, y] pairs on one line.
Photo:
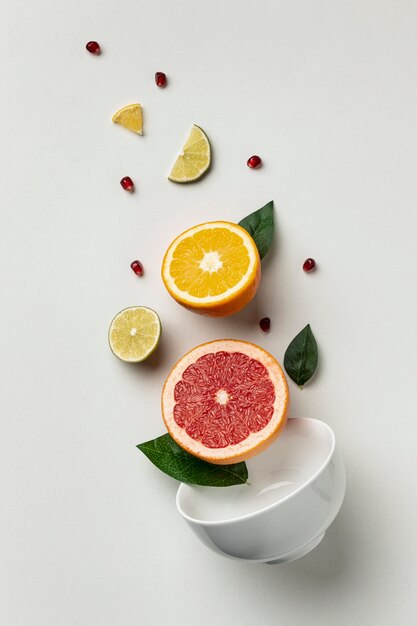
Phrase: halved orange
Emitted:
{"points": [[225, 401], [213, 268]]}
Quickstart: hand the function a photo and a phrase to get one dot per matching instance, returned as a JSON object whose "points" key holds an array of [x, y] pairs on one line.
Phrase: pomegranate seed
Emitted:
{"points": [[160, 79], [93, 47], [265, 324], [254, 162], [137, 267], [127, 183], [309, 265]]}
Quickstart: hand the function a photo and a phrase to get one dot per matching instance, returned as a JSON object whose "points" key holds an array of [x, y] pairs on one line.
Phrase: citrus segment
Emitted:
{"points": [[134, 334], [195, 158], [225, 401], [130, 117], [213, 268]]}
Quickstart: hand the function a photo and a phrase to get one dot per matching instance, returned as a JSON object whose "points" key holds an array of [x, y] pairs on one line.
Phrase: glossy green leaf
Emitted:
{"points": [[260, 225], [301, 357], [171, 459]]}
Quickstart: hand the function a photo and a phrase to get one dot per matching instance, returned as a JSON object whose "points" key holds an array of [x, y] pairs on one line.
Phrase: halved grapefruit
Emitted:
{"points": [[225, 401]]}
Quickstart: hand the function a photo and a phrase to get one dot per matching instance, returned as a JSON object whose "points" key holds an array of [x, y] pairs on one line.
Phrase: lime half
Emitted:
{"points": [[134, 334], [195, 159]]}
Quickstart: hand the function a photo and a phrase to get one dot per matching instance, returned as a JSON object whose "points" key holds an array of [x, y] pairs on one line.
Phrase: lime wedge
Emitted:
{"points": [[195, 159], [134, 334]]}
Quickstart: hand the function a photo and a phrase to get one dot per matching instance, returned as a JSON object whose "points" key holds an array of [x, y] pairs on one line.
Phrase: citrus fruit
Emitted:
{"points": [[213, 268], [195, 158], [225, 401], [134, 334], [130, 117]]}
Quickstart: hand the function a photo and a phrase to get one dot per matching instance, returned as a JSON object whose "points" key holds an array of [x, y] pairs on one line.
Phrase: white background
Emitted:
{"points": [[326, 93]]}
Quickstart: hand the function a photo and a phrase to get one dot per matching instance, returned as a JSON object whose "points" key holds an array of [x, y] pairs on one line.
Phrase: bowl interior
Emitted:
{"points": [[290, 462]]}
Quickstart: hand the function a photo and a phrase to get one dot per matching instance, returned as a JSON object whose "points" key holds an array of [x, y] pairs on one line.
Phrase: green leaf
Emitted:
{"points": [[170, 458], [301, 357], [260, 225]]}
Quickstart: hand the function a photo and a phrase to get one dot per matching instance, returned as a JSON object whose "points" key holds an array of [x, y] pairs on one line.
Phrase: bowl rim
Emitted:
{"points": [[247, 516]]}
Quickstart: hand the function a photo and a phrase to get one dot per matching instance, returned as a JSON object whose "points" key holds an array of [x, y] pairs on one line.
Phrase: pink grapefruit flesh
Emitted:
{"points": [[225, 401]]}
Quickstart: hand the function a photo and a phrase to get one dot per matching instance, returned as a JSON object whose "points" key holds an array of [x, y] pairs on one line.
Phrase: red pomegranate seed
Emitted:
{"points": [[160, 79], [265, 324], [254, 162], [137, 267], [127, 183], [93, 47], [309, 265]]}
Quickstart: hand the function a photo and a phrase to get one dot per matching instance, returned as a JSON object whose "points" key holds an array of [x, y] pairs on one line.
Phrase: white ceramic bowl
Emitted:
{"points": [[296, 489]]}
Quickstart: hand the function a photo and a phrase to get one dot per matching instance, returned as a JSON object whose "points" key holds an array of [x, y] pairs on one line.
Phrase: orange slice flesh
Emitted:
{"points": [[213, 268]]}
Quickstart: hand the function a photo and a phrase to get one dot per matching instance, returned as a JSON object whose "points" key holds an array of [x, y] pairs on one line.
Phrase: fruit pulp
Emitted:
{"points": [[222, 398]]}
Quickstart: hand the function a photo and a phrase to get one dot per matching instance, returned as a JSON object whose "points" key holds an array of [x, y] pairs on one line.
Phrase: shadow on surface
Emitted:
{"points": [[340, 564]]}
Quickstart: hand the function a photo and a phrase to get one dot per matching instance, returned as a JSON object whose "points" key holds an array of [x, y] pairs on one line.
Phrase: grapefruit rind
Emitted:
{"points": [[257, 441]]}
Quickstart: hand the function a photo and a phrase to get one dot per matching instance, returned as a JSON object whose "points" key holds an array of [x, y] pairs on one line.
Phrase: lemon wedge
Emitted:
{"points": [[130, 117]]}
